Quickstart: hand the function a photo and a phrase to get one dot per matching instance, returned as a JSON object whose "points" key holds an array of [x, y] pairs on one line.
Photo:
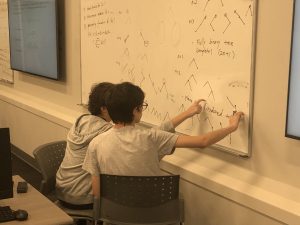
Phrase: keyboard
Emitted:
{"points": [[6, 214]]}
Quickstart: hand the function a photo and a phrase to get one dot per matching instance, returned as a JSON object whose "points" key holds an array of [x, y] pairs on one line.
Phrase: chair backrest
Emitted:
{"points": [[138, 199], [49, 157]]}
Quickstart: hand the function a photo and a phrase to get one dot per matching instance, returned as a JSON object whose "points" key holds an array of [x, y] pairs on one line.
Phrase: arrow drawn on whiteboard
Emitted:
{"points": [[124, 67], [194, 2], [187, 98], [156, 113], [181, 108], [234, 106], [204, 18], [208, 120], [239, 16], [189, 81], [146, 43], [206, 4], [211, 25], [142, 80], [167, 117], [164, 86], [229, 22], [193, 61], [211, 93], [152, 83], [126, 38], [249, 10]]}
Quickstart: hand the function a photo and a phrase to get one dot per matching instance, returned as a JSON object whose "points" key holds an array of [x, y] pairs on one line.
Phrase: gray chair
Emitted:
{"points": [[49, 157], [128, 200]]}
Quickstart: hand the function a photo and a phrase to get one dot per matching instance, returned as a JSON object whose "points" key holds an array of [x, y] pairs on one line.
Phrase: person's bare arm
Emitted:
{"points": [[202, 141], [96, 186], [195, 108]]}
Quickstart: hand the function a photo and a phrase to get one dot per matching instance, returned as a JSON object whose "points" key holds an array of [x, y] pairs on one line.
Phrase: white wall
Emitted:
{"points": [[219, 188]]}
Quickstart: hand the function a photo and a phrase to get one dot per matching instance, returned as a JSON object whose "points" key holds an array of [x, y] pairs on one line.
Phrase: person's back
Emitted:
{"points": [[118, 154], [73, 184]]}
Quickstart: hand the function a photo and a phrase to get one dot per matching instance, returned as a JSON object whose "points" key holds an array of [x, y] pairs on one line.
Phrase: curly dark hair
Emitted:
{"points": [[122, 100], [97, 97]]}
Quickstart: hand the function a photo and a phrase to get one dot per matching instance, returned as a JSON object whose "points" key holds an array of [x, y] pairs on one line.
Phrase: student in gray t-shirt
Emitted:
{"points": [[73, 184], [127, 149]]}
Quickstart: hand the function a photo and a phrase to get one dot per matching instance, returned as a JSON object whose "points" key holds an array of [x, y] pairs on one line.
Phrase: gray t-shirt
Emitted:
{"points": [[73, 184], [130, 150]]}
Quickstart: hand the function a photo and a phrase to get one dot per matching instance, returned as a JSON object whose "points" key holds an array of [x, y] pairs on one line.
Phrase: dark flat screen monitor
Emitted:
{"points": [[293, 106], [33, 37], [6, 184]]}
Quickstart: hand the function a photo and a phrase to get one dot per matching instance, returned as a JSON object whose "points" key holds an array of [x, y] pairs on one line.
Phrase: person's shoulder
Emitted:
{"points": [[97, 123], [93, 145], [102, 135], [140, 129], [147, 132], [98, 120]]}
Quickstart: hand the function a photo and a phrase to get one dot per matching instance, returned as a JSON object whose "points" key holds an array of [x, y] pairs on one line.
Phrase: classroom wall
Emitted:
{"points": [[219, 188]]}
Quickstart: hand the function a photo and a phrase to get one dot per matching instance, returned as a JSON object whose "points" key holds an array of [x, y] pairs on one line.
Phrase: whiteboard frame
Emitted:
{"points": [[251, 100]]}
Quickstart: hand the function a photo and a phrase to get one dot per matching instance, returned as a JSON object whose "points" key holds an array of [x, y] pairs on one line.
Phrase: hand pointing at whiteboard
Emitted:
{"points": [[196, 107], [234, 120]]}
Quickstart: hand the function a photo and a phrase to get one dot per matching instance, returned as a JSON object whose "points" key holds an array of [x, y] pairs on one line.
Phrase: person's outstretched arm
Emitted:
{"points": [[204, 140], [194, 109]]}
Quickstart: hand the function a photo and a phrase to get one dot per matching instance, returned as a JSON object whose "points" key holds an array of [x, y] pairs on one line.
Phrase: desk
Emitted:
{"points": [[41, 211]]}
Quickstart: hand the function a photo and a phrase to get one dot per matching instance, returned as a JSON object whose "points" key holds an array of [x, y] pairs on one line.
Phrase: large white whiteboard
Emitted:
{"points": [[6, 74], [177, 51]]}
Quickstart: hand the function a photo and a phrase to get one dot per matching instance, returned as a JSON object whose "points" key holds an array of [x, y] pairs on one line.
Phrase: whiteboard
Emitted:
{"points": [[177, 51], [6, 74]]}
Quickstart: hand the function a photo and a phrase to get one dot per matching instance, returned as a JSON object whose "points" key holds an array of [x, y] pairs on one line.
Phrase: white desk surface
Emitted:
{"points": [[41, 211]]}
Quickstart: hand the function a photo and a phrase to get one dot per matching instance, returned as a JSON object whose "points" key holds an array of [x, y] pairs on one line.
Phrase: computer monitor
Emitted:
{"points": [[292, 129], [6, 183], [33, 37]]}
